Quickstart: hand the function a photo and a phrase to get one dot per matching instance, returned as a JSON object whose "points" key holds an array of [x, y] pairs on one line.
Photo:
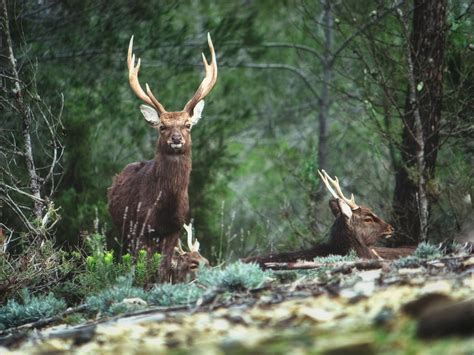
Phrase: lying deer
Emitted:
{"points": [[186, 263], [149, 200], [356, 228]]}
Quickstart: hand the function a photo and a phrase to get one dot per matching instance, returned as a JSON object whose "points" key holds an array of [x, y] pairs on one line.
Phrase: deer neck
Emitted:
{"points": [[172, 171], [344, 238]]}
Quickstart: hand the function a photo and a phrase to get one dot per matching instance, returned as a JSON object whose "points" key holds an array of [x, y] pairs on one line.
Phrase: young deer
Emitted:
{"points": [[150, 198], [355, 228]]}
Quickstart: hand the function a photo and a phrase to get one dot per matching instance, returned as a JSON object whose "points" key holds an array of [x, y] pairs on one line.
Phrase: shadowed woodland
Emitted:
{"points": [[379, 94]]}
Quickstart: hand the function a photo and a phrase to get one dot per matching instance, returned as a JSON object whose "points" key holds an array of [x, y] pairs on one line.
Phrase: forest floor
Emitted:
{"points": [[357, 307]]}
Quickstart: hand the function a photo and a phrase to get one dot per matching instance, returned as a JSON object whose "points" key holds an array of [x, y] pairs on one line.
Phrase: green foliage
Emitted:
{"points": [[30, 309], [407, 262], [234, 277], [38, 266], [146, 268], [177, 294], [423, 251], [108, 301], [426, 250], [102, 269], [331, 259]]}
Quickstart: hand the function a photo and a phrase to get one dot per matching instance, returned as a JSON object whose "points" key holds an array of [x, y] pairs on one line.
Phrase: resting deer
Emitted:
{"points": [[151, 197], [186, 263], [356, 228]]}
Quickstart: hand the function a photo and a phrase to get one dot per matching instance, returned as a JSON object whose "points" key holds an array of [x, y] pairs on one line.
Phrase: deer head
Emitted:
{"points": [[187, 263], [173, 127], [359, 221]]}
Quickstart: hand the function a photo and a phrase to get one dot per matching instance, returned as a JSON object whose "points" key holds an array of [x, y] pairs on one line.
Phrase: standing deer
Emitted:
{"points": [[149, 199], [355, 228]]}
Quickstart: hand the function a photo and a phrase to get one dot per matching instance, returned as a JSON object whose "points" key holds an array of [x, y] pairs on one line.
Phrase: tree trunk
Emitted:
{"points": [[324, 98], [324, 101], [25, 113], [420, 144]]}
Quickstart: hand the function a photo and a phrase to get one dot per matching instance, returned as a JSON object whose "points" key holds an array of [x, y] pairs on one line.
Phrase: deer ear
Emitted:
{"points": [[345, 209], [339, 206], [334, 208], [197, 111], [150, 114]]}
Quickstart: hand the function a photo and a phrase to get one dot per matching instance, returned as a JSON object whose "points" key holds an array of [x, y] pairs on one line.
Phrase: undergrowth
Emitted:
{"points": [[424, 251], [29, 309], [235, 276], [123, 296], [331, 259], [107, 301], [102, 269]]}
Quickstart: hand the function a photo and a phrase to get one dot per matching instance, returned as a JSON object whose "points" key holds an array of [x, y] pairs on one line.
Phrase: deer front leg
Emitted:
{"points": [[167, 245]]}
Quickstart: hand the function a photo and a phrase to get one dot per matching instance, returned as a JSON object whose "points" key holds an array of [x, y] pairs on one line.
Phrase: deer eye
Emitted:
{"points": [[188, 125], [162, 128], [368, 219]]}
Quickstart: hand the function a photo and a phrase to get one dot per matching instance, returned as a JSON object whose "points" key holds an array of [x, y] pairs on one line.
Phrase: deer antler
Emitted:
{"points": [[338, 193], [209, 80], [179, 248], [193, 246], [133, 69]]}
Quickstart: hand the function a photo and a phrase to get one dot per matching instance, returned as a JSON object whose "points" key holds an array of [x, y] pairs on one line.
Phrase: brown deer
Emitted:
{"points": [[355, 228], [149, 199], [185, 264]]}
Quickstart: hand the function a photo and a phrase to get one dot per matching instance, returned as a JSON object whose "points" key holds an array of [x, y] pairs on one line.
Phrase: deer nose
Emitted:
{"points": [[176, 138]]}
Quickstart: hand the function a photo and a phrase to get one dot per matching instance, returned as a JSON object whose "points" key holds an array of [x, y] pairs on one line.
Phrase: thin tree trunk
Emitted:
{"points": [[425, 59], [324, 98], [326, 60], [23, 109]]}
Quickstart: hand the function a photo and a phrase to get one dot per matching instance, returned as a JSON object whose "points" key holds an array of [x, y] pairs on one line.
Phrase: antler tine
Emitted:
{"points": [[189, 232], [210, 78], [179, 248], [328, 186], [338, 193], [135, 84]]}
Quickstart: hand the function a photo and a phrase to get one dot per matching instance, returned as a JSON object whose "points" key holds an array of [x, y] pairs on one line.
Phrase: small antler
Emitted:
{"points": [[179, 248], [209, 80], [338, 193], [193, 246], [133, 69]]}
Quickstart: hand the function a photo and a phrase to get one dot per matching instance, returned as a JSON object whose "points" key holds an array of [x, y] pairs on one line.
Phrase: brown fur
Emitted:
{"points": [[148, 201], [186, 265], [394, 253], [363, 230]]}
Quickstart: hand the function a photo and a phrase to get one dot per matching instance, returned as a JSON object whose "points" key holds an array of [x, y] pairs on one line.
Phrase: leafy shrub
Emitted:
{"points": [[107, 300], [331, 259], [235, 276], [36, 265], [146, 268], [406, 262], [125, 307], [32, 308], [169, 295], [423, 251], [102, 269], [427, 251]]}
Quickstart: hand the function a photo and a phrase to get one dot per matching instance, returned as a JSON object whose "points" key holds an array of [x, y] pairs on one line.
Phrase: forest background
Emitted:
{"points": [[355, 87]]}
